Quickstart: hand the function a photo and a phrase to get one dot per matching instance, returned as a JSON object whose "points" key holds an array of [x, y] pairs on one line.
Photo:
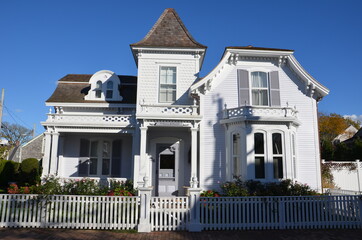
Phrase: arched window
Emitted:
{"points": [[98, 89], [259, 154], [109, 92], [277, 155]]}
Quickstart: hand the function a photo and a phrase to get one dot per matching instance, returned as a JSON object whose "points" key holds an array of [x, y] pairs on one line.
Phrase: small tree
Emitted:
{"points": [[15, 133]]}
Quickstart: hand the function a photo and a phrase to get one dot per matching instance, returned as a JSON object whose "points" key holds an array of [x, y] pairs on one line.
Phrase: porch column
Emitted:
{"points": [[46, 157], [144, 168], [193, 180], [54, 154]]}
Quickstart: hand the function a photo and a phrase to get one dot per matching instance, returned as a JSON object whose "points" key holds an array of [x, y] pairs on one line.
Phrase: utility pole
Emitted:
{"points": [[34, 130], [1, 106]]}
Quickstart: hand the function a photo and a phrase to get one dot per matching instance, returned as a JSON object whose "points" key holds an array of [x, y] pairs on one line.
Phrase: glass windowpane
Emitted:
{"points": [[259, 143], [278, 167], [259, 167], [93, 166], [94, 149], [277, 143]]}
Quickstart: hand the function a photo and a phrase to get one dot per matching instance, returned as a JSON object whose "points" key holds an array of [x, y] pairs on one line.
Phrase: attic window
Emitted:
{"points": [[109, 92], [99, 89]]}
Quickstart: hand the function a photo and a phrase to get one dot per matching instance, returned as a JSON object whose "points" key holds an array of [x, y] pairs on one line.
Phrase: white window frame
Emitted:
{"points": [[259, 88], [276, 155], [236, 165], [264, 155], [159, 82]]}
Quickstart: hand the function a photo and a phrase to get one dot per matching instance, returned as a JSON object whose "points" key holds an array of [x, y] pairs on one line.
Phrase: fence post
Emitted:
{"points": [[195, 224], [43, 212], [358, 175], [281, 213], [145, 195]]}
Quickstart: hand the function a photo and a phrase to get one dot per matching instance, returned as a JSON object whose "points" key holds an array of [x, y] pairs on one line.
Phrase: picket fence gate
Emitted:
{"points": [[191, 213]]}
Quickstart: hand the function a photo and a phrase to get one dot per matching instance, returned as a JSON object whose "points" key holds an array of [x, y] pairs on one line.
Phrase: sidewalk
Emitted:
{"points": [[68, 234]]}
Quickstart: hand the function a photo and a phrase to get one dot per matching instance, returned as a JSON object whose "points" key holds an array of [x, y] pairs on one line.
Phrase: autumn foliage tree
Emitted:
{"points": [[330, 126]]}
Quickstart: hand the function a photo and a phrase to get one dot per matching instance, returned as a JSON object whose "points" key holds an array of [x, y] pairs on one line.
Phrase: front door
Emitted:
{"points": [[167, 171]]}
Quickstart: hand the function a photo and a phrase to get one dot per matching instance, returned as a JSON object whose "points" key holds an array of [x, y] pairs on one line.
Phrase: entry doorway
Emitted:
{"points": [[167, 158]]}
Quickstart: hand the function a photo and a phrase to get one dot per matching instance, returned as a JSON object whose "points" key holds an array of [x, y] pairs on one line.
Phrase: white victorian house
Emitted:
{"points": [[254, 116]]}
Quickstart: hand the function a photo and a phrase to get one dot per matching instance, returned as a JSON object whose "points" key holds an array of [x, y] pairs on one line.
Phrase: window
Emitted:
{"points": [[109, 92], [99, 158], [167, 91], [236, 155], [259, 89], [277, 155], [98, 89], [259, 153]]}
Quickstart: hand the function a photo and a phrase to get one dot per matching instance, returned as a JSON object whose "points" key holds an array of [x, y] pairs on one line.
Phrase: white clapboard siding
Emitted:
{"points": [[169, 213], [63, 211], [250, 213]]}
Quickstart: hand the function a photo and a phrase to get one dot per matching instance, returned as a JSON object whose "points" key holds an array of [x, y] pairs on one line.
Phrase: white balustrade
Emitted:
{"points": [[169, 110], [252, 111], [89, 119]]}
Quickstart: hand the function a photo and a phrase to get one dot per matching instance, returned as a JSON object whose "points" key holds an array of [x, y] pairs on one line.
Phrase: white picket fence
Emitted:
{"points": [[65, 211], [169, 213], [280, 212], [180, 213]]}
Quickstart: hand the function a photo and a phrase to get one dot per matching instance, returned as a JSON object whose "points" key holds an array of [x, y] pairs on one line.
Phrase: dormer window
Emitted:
{"points": [[98, 89], [104, 86], [109, 91]]}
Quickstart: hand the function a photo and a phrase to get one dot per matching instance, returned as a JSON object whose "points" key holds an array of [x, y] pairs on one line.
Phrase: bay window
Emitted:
{"points": [[259, 154], [236, 155]]}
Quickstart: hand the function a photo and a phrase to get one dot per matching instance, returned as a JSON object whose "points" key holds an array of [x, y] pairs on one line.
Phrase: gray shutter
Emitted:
{"points": [[274, 88], [116, 158], [83, 158], [244, 95]]}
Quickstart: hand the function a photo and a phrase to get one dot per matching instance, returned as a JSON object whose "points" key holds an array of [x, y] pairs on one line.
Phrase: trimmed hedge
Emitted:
{"points": [[29, 172], [8, 172]]}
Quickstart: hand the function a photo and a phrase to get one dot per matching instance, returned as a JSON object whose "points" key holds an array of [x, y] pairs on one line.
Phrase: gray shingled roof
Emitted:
{"points": [[169, 31], [73, 87]]}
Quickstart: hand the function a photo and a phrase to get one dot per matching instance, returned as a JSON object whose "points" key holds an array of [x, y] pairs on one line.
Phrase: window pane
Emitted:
{"points": [[167, 84], [236, 145], [105, 166], [278, 167], [109, 94], [99, 85], [106, 149], [94, 149], [84, 148], [110, 85], [260, 97], [167, 161], [259, 143], [259, 167], [277, 143], [259, 79], [93, 166], [236, 164], [116, 158], [98, 94]]}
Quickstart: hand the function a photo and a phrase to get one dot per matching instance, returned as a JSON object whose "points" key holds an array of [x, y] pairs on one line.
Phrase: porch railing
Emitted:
{"points": [[109, 119], [171, 111]]}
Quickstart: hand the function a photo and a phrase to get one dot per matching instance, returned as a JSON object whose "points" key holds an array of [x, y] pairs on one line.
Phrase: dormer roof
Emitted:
{"points": [[169, 31]]}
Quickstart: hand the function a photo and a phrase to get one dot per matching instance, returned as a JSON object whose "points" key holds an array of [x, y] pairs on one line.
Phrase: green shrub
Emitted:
{"points": [[8, 172], [29, 172], [286, 187]]}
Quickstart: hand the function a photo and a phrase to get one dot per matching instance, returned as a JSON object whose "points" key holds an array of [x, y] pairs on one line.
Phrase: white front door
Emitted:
{"points": [[166, 169]]}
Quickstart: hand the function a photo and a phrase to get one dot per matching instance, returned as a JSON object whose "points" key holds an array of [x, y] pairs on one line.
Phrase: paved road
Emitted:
{"points": [[67, 234]]}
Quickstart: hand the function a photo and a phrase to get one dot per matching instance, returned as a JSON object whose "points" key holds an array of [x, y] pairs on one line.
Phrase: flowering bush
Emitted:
{"points": [[256, 188], [14, 189], [210, 193]]}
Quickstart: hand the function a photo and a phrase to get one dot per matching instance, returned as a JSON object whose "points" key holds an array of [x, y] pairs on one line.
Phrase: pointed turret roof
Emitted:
{"points": [[169, 31]]}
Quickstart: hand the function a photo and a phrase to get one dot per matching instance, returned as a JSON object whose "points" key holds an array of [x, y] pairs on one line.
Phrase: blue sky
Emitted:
{"points": [[42, 41]]}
